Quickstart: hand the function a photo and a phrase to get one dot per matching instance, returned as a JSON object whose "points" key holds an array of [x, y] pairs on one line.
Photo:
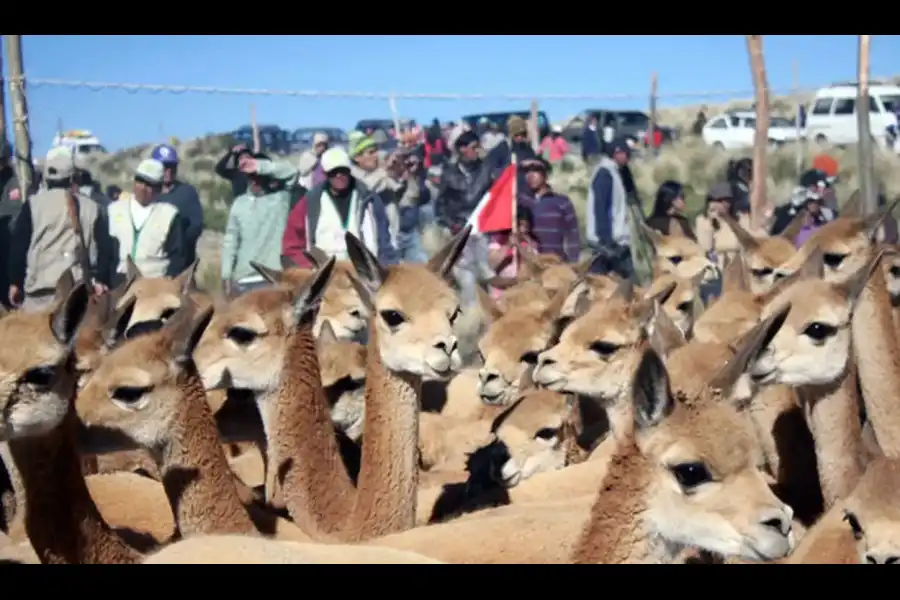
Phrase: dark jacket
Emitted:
{"points": [[501, 156], [590, 143], [459, 192], [226, 168], [409, 215], [184, 197]]}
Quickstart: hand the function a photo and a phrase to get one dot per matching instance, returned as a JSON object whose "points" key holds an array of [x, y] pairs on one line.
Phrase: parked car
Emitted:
{"points": [[272, 139], [833, 114], [500, 119], [737, 129], [301, 139], [632, 124]]}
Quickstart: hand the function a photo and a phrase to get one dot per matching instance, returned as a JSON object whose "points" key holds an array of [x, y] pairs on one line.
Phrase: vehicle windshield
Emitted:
{"points": [[634, 119], [890, 103], [781, 122], [90, 148]]}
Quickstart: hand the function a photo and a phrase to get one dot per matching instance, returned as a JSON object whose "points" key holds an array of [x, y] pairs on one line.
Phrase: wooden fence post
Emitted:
{"points": [[534, 130], [761, 139], [2, 97], [799, 128], [254, 127], [865, 147], [651, 131], [20, 114]]}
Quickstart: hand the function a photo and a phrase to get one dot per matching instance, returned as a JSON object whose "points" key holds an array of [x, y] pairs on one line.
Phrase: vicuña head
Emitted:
{"points": [[413, 309], [37, 362], [342, 366], [872, 515], [764, 255], [138, 389], [678, 254], [811, 344], [157, 298]]}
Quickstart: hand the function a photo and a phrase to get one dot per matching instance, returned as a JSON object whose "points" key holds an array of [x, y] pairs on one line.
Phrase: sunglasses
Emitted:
{"points": [[338, 171]]}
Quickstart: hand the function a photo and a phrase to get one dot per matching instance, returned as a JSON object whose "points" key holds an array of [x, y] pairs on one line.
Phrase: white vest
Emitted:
{"points": [[330, 228], [146, 245]]}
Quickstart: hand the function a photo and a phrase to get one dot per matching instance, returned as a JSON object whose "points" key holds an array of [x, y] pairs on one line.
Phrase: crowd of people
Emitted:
{"points": [[434, 178]]}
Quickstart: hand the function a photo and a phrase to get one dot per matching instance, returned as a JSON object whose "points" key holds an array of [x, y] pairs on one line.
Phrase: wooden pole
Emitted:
{"points": [[866, 173], [761, 139], [534, 130], [395, 114], [799, 160], [254, 127], [651, 131], [20, 113], [2, 97]]}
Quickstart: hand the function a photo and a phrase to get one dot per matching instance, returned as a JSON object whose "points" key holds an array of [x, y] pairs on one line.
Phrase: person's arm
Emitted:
{"points": [[450, 187], [226, 167], [281, 170], [602, 186], [230, 243], [571, 237], [174, 247], [20, 241], [103, 268], [563, 146], [499, 255], [293, 242], [193, 214], [387, 255], [704, 231]]}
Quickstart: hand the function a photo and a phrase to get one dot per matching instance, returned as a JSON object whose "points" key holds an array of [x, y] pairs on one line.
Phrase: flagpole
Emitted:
{"points": [[515, 221]]}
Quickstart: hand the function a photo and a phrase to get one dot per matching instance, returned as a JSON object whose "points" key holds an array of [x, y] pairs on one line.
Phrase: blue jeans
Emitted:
{"points": [[426, 215], [409, 247]]}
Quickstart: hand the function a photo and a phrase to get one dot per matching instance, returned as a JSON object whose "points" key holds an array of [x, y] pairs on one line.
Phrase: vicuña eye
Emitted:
{"points": [[691, 475], [675, 259], [529, 357], [128, 394], [41, 377], [604, 349], [455, 315], [685, 306], [833, 259], [895, 271], [167, 314], [819, 331], [761, 272], [393, 318], [241, 335], [546, 433], [851, 520]]}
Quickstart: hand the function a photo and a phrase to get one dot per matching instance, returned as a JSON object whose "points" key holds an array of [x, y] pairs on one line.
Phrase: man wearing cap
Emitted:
{"points": [[227, 168], [606, 225], [182, 196], [152, 233], [56, 229], [256, 222], [366, 167], [517, 145], [328, 211], [810, 194], [555, 223], [310, 162]]}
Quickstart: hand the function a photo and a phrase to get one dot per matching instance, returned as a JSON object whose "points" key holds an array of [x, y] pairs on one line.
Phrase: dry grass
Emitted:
{"points": [[688, 161]]}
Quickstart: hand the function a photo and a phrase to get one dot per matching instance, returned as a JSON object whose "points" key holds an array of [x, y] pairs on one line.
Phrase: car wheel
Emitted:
{"points": [[821, 139]]}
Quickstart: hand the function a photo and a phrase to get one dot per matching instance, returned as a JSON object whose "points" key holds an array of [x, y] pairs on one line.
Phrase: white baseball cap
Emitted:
{"points": [[335, 158]]}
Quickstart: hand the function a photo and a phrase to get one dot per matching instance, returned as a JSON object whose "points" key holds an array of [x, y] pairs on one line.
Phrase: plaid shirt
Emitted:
{"points": [[555, 224]]}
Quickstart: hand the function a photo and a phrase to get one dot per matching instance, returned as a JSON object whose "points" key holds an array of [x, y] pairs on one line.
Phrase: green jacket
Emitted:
{"points": [[256, 225]]}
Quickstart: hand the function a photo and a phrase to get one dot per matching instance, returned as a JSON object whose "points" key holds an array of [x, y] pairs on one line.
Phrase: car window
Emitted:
{"points": [[873, 106], [780, 122], [822, 106], [634, 119], [718, 123], [750, 122], [890, 103], [542, 120], [844, 106], [734, 121]]}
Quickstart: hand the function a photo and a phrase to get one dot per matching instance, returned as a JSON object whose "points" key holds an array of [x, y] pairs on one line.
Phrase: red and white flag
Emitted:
{"points": [[497, 209]]}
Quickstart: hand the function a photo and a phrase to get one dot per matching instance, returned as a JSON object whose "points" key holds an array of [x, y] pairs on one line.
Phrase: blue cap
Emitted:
{"points": [[165, 154]]}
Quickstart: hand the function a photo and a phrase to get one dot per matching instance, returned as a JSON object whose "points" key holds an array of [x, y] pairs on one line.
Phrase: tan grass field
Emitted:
{"points": [[688, 161]]}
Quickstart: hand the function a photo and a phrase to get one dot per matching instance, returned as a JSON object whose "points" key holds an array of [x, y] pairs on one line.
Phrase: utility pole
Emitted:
{"points": [[254, 127], [866, 174], [761, 139], [2, 98], [651, 133], [20, 113], [796, 74]]}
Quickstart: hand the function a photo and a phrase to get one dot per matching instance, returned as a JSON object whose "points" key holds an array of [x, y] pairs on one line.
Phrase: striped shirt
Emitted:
{"points": [[555, 224]]}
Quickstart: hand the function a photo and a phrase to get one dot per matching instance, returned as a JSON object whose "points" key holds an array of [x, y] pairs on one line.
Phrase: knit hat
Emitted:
{"points": [[826, 164], [620, 145], [60, 163], [335, 158], [464, 139], [358, 144], [150, 171], [516, 125]]}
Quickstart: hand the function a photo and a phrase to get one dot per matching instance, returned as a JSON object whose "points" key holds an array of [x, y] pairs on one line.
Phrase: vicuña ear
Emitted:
{"points": [[748, 347], [371, 273], [666, 336], [744, 237], [793, 229], [852, 208], [187, 326], [655, 237], [651, 393], [273, 276], [70, 307], [185, 279], [316, 256], [115, 326], [873, 222], [326, 335], [308, 298], [441, 264], [675, 229], [490, 308], [735, 277], [854, 286], [813, 267], [624, 289]]}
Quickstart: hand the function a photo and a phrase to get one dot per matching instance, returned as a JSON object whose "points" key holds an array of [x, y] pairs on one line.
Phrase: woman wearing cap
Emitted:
{"points": [[554, 146], [151, 233]]}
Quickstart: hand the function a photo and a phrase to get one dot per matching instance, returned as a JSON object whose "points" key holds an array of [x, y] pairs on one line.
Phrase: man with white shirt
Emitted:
{"points": [[152, 233]]}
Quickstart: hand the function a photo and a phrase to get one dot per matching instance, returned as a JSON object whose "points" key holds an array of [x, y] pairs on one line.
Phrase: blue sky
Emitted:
{"points": [[411, 64]]}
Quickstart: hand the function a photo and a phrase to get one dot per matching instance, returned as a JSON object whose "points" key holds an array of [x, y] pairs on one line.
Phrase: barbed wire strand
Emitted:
{"points": [[135, 88]]}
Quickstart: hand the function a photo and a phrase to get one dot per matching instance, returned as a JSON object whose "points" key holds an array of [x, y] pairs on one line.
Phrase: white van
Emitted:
{"points": [[83, 141], [832, 117]]}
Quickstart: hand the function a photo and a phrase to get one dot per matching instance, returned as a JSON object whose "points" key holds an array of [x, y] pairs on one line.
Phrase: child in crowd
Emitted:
{"points": [[503, 248]]}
